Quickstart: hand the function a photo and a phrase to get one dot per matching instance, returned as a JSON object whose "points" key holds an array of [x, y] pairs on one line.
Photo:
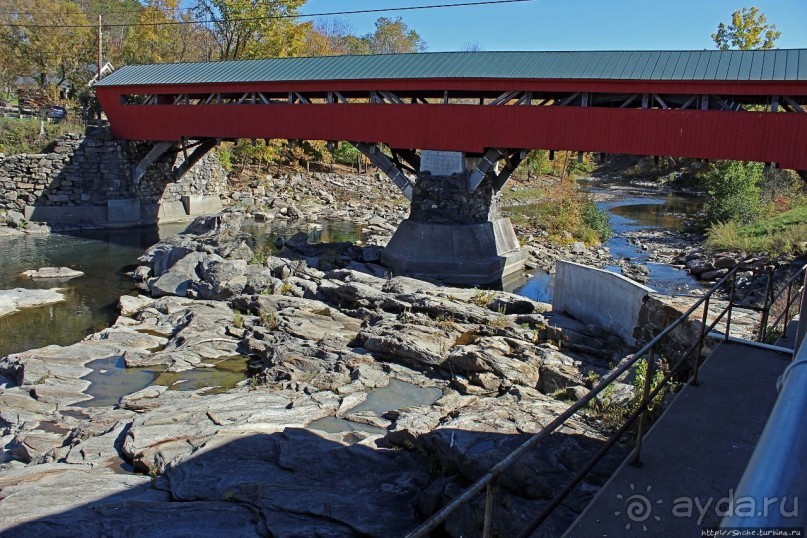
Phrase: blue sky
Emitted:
{"points": [[575, 24]]}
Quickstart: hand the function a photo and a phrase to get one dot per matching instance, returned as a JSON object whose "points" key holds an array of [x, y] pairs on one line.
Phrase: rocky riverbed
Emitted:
{"points": [[320, 331], [297, 389]]}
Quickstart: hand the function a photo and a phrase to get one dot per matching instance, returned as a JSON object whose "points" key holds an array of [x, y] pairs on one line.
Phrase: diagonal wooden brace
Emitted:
{"points": [[159, 149], [487, 165], [194, 157], [386, 165]]}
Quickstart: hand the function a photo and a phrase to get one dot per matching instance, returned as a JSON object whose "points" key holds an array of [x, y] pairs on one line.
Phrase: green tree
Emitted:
{"points": [[749, 30], [390, 37], [154, 40], [42, 40], [243, 29], [735, 189]]}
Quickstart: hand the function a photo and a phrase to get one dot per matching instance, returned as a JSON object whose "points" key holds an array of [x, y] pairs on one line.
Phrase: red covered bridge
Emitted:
{"points": [[743, 105], [487, 107]]}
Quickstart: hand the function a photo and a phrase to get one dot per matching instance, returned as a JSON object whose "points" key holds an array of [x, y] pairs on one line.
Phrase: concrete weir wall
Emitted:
{"points": [[599, 297], [87, 180]]}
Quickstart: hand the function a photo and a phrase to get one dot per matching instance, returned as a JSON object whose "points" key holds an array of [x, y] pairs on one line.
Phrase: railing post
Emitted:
{"points": [[636, 460], [766, 308], [732, 293], [490, 503], [701, 338], [787, 308]]}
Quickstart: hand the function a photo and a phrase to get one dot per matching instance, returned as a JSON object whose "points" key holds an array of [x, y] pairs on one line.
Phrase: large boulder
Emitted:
{"points": [[418, 344], [221, 279], [510, 360], [178, 279]]}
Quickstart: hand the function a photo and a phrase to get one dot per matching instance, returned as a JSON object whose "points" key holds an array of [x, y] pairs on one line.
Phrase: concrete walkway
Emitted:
{"points": [[694, 455]]}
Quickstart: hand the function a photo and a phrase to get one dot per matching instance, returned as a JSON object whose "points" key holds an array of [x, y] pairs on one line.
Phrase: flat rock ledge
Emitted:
{"points": [[54, 273], [16, 299], [322, 336]]}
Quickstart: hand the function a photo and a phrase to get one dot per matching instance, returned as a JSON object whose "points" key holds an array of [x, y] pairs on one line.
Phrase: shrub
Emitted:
{"points": [[735, 192], [598, 220], [22, 135], [571, 215], [269, 318], [345, 154]]}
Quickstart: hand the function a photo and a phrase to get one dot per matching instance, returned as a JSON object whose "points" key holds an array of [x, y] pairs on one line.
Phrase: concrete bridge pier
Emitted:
{"points": [[455, 231]]}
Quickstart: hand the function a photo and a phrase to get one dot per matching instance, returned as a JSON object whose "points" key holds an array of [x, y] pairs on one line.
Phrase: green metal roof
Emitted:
{"points": [[768, 65]]}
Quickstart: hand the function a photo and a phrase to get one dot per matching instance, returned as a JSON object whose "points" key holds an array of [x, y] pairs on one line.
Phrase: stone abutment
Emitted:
{"points": [[86, 180]]}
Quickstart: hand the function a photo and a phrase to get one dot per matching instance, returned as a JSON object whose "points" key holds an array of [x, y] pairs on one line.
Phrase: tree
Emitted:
{"points": [[330, 37], [735, 191], [334, 37], [116, 14], [749, 30], [391, 37], [244, 29], [47, 40], [153, 40]]}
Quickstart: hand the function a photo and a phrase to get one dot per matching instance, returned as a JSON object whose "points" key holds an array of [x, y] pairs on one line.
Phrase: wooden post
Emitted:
{"points": [[100, 61], [100, 53]]}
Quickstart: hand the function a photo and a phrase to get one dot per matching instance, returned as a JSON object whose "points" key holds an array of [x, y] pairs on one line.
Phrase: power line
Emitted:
{"points": [[105, 13], [269, 17]]}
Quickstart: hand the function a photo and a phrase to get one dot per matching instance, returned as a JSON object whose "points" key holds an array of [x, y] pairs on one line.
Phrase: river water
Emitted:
{"points": [[91, 303], [631, 212], [105, 257]]}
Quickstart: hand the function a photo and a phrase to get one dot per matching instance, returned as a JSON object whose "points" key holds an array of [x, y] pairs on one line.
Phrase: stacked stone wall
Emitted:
{"points": [[446, 200], [92, 169]]}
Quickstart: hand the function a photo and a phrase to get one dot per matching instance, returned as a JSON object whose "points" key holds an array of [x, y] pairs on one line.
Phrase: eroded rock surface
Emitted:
{"points": [[366, 404], [17, 299], [54, 273]]}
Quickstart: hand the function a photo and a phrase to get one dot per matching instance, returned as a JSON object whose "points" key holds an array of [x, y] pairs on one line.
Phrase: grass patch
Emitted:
{"points": [[783, 234], [21, 135], [483, 298], [269, 318]]}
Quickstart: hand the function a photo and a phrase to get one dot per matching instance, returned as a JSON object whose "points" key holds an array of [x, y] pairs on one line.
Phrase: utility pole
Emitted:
{"points": [[100, 61], [100, 54]]}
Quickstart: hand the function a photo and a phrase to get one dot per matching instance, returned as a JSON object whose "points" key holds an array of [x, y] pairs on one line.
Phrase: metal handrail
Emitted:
{"points": [[791, 298], [778, 465], [488, 480]]}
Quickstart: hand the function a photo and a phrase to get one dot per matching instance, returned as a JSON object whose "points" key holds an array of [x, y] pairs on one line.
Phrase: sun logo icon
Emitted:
{"points": [[638, 507]]}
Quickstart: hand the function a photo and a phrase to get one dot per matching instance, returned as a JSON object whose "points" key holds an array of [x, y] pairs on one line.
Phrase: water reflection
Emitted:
{"points": [[538, 287], [111, 380], [676, 212], [91, 300], [396, 395]]}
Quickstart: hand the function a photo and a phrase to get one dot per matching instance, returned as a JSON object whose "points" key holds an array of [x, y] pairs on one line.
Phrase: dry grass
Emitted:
{"points": [[784, 234]]}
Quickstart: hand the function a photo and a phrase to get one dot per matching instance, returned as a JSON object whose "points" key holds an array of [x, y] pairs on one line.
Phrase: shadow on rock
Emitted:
{"points": [[298, 483], [293, 483]]}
